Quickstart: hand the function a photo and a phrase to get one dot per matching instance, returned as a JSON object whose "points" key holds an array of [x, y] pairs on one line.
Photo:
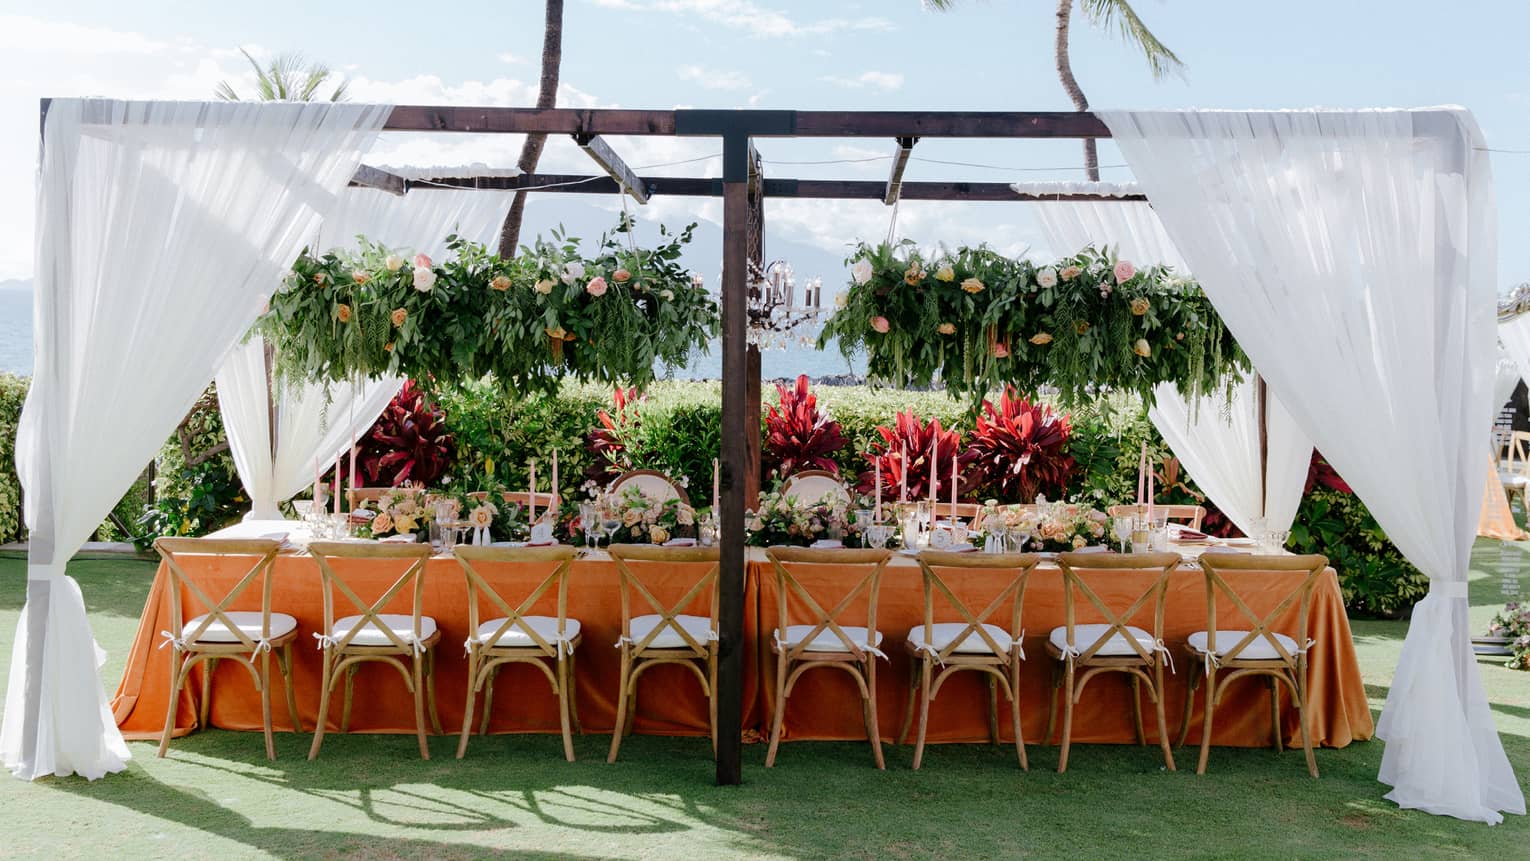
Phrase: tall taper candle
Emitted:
{"points": [[903, 471], [531, 498], [337, 482], [878, 515], [934, 457], [554, 506], [953, 486]]}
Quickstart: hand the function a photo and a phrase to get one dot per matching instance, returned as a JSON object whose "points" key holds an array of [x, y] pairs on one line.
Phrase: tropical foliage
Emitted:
{"points": [[929, 449], [408, 443], [1020, 449], [13, 393], [976, 321], [798, 435], [287, 78], [531, 321]]}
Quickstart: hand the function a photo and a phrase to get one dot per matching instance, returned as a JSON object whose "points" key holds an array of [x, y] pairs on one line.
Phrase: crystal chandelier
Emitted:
{"points": [[776, 319]]}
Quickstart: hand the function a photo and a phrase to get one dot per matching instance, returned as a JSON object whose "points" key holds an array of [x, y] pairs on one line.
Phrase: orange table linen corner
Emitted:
{"points": [[670, 701], [826, 705]]}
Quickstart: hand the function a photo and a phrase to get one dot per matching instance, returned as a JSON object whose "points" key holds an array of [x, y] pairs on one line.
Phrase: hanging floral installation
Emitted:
{"points": [[531, 321], [978, 321]]}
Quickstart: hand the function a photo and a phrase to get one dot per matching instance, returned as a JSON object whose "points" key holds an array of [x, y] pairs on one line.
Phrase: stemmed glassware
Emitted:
{"points": [[589, 519], [609, 521], [1121, 527]]}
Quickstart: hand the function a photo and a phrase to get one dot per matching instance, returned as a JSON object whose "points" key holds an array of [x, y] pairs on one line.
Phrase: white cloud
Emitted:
{"points": [[746, 15], [713, 79], [509, 58], [886, 81]]}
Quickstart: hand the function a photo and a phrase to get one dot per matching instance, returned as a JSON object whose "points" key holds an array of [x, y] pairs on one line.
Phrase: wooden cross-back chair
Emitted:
{"points": [[517, 636], [1515, 474], [666, 635], [812, 485], [224, 633], [824, 642], [355, 496], [1185, 515], [654, 484], [1114, 646], [972, 643], [373, 635], [1252, 647]]}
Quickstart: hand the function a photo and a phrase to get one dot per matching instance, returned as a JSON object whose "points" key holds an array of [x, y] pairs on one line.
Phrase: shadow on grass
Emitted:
{"points": [[112, 587]]}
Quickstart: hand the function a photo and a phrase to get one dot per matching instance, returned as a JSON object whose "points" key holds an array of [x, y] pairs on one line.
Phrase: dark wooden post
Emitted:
{"points": [[735, 457], [756, 250]]}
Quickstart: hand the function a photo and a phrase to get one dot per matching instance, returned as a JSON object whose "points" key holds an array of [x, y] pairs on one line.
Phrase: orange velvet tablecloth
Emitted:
{"points": [[824, 704]]}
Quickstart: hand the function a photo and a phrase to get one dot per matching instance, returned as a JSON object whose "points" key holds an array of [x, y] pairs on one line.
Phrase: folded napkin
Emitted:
{"points": [[549, 543], [405, 538], [828, 544], [680, 542], [1192, 535]]}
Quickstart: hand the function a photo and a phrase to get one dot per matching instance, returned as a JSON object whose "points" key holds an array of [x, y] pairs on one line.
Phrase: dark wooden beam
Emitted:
{"points": [[730, 619], [900, 161], [756, 123], [367, 176], [596, 148], [824, 189]]}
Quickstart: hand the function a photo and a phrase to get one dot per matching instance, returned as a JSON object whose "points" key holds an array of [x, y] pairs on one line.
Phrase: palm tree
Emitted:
{"points": [[289, 77], [1104, 14], [547, 97]]}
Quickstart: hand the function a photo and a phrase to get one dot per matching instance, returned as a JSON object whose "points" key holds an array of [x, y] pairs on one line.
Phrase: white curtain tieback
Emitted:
{"points": [[1454, 590]]}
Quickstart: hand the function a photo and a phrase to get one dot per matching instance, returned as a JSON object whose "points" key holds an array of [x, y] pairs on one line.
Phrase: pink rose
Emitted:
{"points": [[880, 324], [596, 287], [421, 261], [1001, 350], [1124, 271]]}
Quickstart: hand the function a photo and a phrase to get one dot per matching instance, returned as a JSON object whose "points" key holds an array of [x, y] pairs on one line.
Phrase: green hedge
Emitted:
{"points": [[13, 392]]}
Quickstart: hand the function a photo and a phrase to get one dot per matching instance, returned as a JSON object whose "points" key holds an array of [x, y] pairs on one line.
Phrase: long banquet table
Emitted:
{"points": [[824, 705]]}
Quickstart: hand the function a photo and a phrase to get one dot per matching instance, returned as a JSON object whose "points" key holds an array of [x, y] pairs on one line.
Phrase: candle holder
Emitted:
{"points": [[774, 314]]}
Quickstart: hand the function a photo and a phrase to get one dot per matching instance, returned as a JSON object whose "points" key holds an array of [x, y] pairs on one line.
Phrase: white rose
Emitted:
{"points": [[667, 294], [1047, 278], [573, 272], [861, 271], [424, 279], [394, 263], [841, 299]]}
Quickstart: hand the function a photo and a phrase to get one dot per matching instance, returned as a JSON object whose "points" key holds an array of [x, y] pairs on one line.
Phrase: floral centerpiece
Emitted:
{"points": [[1513, 624], [1061, 528], [399, 511], [785, 519], [645, 520]]}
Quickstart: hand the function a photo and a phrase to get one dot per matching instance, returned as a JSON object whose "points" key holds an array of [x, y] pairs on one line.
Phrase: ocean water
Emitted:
{"points": [[16, 331], [16, 350]]}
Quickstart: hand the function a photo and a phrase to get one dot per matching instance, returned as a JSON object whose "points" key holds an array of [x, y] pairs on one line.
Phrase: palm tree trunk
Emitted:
{"points": [[547, 97], [1070, 84]]}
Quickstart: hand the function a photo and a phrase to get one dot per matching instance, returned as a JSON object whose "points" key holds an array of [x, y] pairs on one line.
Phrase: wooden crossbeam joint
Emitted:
{"points": [[900, 162], [367, 176], [596, 148]]}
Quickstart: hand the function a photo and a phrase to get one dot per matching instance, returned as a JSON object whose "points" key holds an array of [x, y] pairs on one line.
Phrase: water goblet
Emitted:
{"points": [[1121, 528], [589, 520]]}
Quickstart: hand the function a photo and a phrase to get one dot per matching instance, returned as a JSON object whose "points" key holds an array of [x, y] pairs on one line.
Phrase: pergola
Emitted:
{"points": [[743, 189]]}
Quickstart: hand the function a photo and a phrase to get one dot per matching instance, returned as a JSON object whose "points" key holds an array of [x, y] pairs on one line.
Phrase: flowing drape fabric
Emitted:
{"points": [[1217, 436], [160, 227], [1506, 377], [1514, 336], [1353, 255], [315, 420]]}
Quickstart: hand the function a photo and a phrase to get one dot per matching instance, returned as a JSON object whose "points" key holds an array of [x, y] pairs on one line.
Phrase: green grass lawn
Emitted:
{"points": [[514, 796]]}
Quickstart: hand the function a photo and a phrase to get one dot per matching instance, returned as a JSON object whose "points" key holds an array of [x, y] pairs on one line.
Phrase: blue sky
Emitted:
{"points": [[779, 54]]}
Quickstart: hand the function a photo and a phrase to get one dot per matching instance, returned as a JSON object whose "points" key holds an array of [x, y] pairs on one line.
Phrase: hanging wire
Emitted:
{"points": [[892, 222]]}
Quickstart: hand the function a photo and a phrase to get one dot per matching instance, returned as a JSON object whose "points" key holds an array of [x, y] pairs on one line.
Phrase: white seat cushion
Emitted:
{"points": [[944, 632], [247, 621], [699, 627], [1259, 649], [371, 635], [1510, 479], [1084, 637], [546, 627], [826, 641]]}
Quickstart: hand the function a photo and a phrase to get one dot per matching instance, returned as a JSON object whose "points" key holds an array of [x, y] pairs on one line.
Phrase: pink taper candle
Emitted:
{"points": [[878, 514], [903, 470], [531, 498], [337, 482], [554, 506], [934, 458], [953, 486]]}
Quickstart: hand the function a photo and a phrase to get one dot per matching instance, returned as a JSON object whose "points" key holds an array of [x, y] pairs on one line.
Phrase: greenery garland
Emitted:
{"points": [[978, 321], [530, 322]]}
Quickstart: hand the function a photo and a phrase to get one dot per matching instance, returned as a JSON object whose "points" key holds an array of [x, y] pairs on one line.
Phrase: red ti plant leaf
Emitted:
{"points": [[798, 435], [921, 441], [408, 442], [1020, 449], [1321, 473], [611, 444]]}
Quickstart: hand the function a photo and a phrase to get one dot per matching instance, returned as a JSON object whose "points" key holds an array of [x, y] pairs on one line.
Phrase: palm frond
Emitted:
{"points": [[225, 91], [938, 5], [288, 77], [1105, 13]]}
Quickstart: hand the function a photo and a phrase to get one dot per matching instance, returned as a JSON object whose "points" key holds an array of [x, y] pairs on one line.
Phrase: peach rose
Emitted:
{"points": [[360, 277], [1070, 272], [343, 313], [398, 316], [1080, 327], [1141, 348], [321, 278], [945, 273], [544, 286], [388, 347], [658, 534], [1041, 338], [621, 276], [946, 328], [913, 276], [880, 324], [1139, 306], [393, 263], [500, 283], [421, 261], [596, 287], [382, 523], [973, 285], [481, 518]]}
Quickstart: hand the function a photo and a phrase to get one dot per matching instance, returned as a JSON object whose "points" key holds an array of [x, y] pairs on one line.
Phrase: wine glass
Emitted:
{"points": [[1121, 527], [609, 521], [589, 519]]}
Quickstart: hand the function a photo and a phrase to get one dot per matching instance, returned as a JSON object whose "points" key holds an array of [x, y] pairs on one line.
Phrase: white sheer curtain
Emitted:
{"points": [[1217, 439], [1353, 256], [160, 226], [315, 420], [1514, 335], [1506, 377]]}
